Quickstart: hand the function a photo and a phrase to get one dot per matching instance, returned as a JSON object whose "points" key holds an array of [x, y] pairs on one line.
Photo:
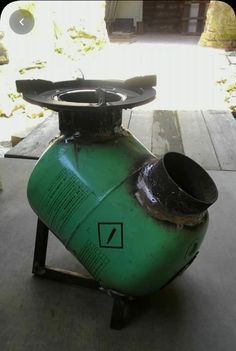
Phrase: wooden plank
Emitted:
{"points": [[165, 135], [37, 141], [222, 129], [196, 139], [126, 116], [141, 126]]}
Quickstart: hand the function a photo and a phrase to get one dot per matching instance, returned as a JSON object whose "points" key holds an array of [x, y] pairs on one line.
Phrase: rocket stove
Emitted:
{"points": [[134, 221]]}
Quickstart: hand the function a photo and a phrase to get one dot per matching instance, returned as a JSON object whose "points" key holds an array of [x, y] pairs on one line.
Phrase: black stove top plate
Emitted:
{"points": [[88, 95]]}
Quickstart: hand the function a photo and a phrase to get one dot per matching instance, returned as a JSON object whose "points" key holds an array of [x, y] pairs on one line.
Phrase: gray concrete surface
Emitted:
{"points": [[195, 312]]}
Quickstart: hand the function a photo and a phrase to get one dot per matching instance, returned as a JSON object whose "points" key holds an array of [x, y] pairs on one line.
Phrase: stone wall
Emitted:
{"points": [[3, 51], [220, 27]]}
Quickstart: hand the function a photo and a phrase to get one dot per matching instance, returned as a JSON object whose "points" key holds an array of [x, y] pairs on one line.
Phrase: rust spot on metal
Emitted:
{"points": [[93, 138], [164, 200], [157, 211]]}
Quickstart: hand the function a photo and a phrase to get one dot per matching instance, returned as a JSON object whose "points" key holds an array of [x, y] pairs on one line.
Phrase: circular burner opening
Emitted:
{"points": [[90, 96]]}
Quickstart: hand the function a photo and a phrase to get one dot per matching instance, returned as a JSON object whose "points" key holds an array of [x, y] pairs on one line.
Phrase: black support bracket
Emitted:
{"points": [[40, 269]]}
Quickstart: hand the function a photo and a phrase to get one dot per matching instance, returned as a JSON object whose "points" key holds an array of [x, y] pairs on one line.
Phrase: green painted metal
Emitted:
{"points": [[85, 194]]}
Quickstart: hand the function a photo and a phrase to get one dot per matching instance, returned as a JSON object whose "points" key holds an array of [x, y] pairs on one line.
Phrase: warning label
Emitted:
{"points": [[110, 235]]}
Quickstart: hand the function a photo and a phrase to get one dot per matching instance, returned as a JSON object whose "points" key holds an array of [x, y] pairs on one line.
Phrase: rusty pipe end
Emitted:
{"points": [[176, 188]]}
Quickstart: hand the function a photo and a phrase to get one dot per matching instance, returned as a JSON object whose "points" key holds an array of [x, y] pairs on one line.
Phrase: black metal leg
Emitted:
{"points": [[120, 305], [40, 249], [42, 270]]}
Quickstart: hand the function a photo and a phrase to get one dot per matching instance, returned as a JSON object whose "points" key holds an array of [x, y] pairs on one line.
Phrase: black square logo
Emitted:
{"points": [[110, 235]]}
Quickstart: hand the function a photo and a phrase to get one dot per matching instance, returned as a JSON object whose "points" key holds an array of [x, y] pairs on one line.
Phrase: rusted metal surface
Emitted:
{"points": [[179, 195], [90, 122], [91, 138], [156, 210]]}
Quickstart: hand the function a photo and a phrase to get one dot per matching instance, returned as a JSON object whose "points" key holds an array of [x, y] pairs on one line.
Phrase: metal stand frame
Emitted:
{"points": [[40, 269]]}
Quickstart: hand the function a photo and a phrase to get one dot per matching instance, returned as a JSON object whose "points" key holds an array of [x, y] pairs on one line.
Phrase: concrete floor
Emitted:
{"points": [[195, 312]]}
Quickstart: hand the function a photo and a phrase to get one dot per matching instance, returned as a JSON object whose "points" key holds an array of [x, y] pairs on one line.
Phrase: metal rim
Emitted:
{"points": [[201, 173], [76, 96], [48, 94]]}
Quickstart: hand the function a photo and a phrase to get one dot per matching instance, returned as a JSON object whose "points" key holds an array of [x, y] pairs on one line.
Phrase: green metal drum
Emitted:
{"points": [[86, 195]]}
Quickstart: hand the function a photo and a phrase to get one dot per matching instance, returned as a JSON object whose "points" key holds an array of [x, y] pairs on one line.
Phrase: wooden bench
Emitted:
{"points": [[209, 137], [37, 141]]}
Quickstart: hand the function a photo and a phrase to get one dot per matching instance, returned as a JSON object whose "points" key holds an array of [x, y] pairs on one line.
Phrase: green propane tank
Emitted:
{"points": [[134, 221]]}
